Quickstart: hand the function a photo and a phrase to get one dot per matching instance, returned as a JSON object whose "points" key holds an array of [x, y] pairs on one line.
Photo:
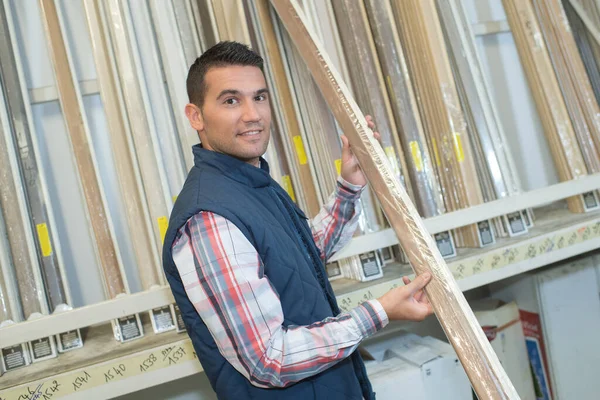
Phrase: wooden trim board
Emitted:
{"points": [[83, 152], [482, 366]]}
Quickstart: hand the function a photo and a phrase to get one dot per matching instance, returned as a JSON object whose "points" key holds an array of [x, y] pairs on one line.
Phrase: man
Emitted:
{"points": [[245, 266]]}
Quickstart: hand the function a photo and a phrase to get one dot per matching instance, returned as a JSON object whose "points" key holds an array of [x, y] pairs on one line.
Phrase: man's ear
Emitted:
{"points": [[194, 115]]}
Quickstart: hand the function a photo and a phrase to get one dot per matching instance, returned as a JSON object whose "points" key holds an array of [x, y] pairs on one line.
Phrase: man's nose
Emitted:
{"points": [[250, 112]]}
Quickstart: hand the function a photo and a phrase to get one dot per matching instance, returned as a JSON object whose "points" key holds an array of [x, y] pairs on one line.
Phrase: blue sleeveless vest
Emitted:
{"points": [[262, 210]]}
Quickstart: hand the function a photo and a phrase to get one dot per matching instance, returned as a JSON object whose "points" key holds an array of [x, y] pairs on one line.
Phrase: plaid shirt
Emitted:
{"points": [[222, 275]]}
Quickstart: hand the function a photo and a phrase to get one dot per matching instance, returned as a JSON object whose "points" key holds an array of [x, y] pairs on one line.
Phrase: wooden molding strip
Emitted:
{"points": [[83, 152], [175, 69], [18, 225], [49, 251], [142, 128], [479, 360], [427, 190], [546, 93], [136, 210]]}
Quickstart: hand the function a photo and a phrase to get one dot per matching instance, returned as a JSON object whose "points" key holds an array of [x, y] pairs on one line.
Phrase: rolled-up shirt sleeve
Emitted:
{"points": [[222, 275]]}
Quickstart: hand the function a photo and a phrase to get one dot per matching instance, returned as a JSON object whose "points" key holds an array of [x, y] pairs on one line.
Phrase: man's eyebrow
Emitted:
{"points": [[228, 91], [262, 91]]}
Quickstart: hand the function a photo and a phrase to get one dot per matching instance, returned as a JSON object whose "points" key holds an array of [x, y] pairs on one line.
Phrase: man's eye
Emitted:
{"points": [[231, 101], [261, 97]]}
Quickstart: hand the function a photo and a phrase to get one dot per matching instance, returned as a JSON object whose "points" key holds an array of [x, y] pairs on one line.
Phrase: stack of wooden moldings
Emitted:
{"points": [[367, 80], [439, 104], [573, 80], [547, 94], [426, 188]]}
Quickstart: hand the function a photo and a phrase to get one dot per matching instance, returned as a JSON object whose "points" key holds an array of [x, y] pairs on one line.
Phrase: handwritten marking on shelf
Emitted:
{"points": [[81, 380]]}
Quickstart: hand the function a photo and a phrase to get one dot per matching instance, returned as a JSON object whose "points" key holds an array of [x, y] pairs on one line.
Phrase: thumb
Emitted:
{"points": [[345, 142], [419, 283], [345, 147]]}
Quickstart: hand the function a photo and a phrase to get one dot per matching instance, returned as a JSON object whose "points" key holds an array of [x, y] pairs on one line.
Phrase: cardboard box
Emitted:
{"points": [[502, 325], [411, 367]]}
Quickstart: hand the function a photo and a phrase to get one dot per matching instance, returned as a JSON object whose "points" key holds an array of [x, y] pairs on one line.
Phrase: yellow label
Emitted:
{"points": [[338, 166], [458, 148], [416, 155], [163, 224], [300, 150], [174, 198], [436, 153], [287, 185], [44, 238]]}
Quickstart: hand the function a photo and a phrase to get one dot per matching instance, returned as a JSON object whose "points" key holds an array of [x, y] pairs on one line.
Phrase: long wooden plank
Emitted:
{"points": [[546, 93], [18, 224], [157, 102], [47, 243], [142, 129], [191, 38], [228, 15], [482, 366], [136, 209], [71, 105], [9, 311]]}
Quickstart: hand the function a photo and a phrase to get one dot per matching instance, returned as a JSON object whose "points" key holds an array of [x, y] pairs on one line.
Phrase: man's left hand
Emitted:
{"points": [[350, 170]]}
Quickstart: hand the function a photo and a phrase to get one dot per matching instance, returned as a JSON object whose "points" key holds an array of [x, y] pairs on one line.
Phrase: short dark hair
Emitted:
{"points": [[220, 55]]}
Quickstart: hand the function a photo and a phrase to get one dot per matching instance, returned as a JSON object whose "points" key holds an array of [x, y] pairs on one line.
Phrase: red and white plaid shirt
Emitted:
{"points": [[243, 311]]}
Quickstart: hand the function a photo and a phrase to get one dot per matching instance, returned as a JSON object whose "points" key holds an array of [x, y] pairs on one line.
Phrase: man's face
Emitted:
{"points": [[236, 116]]}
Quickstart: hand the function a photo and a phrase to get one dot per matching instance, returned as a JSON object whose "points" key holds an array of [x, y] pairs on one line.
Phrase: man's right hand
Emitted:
{"points": [[408, 302]]}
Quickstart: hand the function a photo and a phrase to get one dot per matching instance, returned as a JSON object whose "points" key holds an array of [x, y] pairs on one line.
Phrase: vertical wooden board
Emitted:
{"points": [[18, 225], [9, 310], [44, 229], [83, 152], [142, 129], [175, 68], [228, 17], [155, 94], [136, 209], [482, 366], [191, 38]]}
